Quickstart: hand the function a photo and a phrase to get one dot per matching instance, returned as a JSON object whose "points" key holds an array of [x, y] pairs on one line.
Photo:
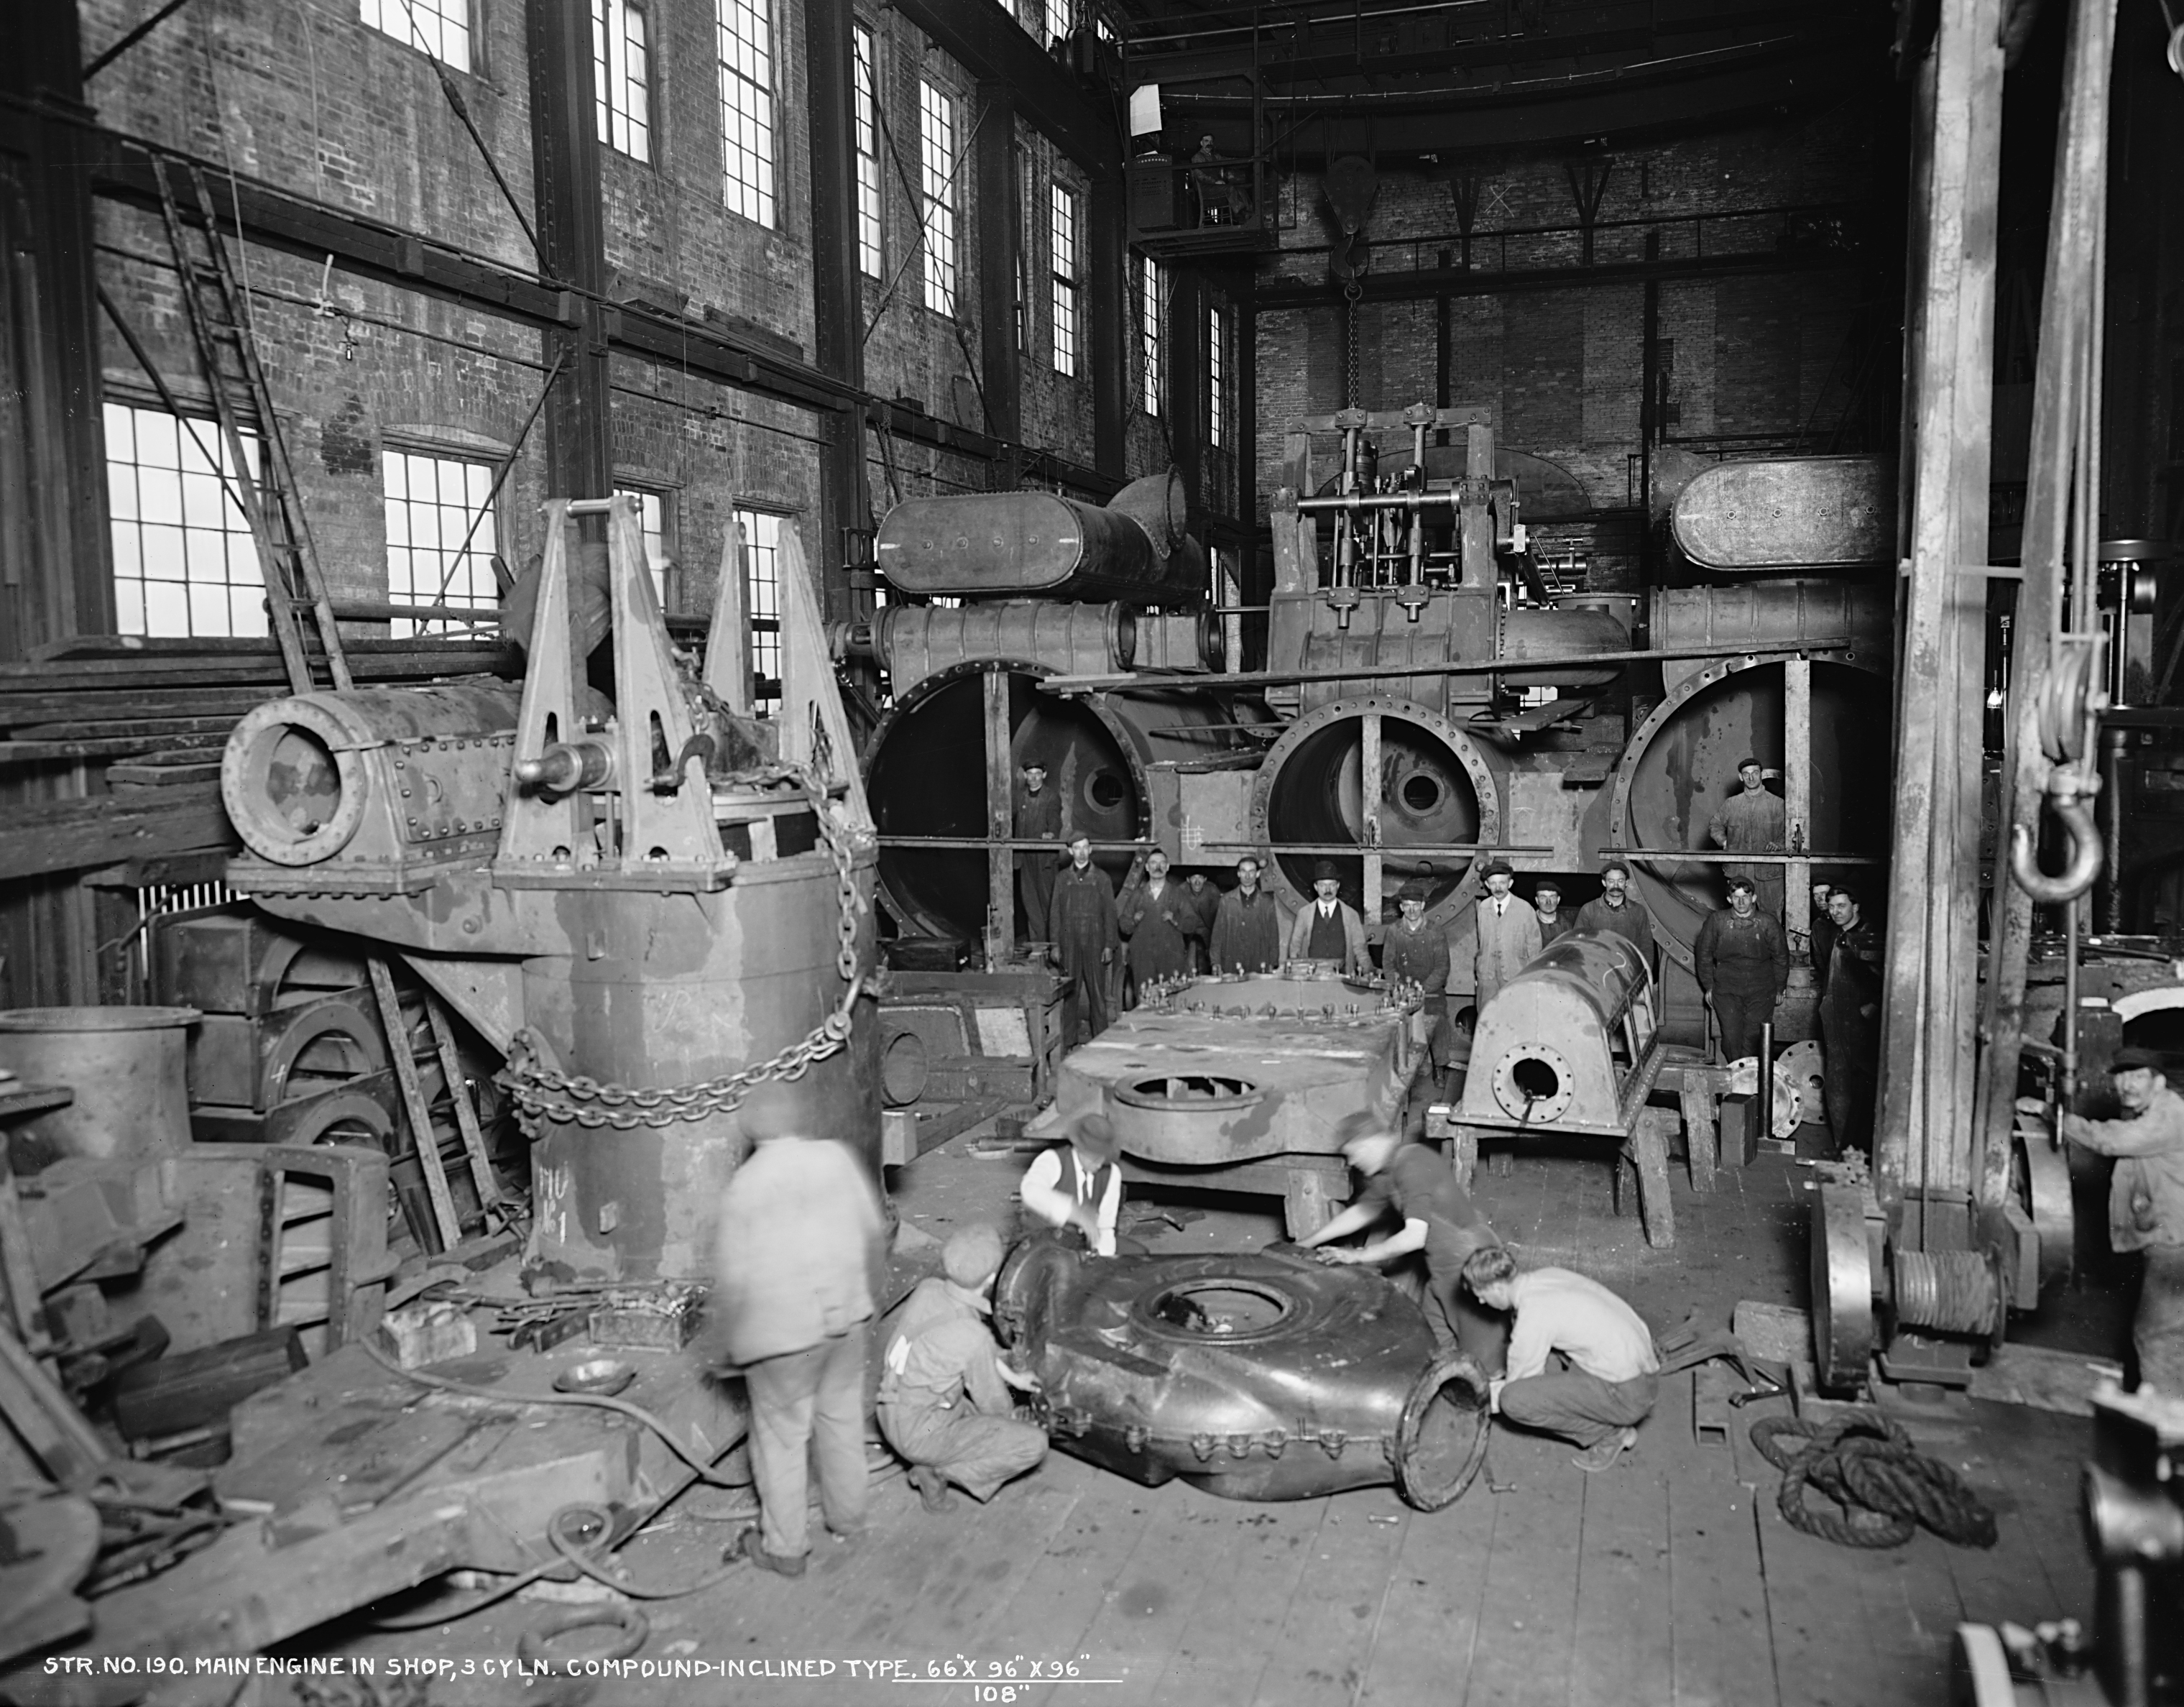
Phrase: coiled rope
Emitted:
{"points": [[1884, 1487]]}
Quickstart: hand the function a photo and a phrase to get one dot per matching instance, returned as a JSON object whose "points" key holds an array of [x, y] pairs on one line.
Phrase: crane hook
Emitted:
{"points": [[2069, 795]]}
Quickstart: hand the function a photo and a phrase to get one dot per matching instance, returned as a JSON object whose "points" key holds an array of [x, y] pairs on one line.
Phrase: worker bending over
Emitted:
{"points": [[1415, 1184], [1077, 1186], [2146, 1204], [1581, 1363], [945, 1402]]}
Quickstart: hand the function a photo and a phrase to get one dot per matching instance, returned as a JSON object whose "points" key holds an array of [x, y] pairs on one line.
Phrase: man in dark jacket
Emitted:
{"points": [[1416, 954], [1742, 960], [1547, 902], [1850, 1023], [1248, 926], [1159, 918], [1039, 815], [1619, 911], [1086, 936]]}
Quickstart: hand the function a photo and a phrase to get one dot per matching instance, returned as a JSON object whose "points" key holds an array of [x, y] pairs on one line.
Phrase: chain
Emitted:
{"points": [[542, 1095], [1352, 294]]}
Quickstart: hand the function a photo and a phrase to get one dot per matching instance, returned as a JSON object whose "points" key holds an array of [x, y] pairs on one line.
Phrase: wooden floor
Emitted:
{"points": [[1670, 1579]]}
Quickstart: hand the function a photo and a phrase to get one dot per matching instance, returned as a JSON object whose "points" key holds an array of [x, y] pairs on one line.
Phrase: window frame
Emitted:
{"points": [[233, 531], [864, 126], [764, 626], [1065, 261], [484, 545], [1152, 324], [611, 78], [1219, 378], [371, 15], [758, 200], [937, 190]]}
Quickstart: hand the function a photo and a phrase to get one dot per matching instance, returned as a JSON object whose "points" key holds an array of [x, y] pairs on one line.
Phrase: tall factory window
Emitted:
{"points": [[745, 35], [441, 28], [619, 71], [441, 533], [1217, 399], [869, 255], [1063, 231], [1152, 327], [1027, 204], [183, 561], [762, 585], [936, 134]]}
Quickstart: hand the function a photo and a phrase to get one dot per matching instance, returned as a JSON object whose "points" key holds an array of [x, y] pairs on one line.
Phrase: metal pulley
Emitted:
{"points": [[1848, 1238], [2042, 1180]]}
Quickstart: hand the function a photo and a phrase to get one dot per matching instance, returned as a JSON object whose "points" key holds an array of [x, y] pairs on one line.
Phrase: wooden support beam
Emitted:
{"points": [[1000, 813], [1001, 262], [414, 1105], [836, 288], [1798, 793], [1369, 793], [1931, 969], [70, 835]]}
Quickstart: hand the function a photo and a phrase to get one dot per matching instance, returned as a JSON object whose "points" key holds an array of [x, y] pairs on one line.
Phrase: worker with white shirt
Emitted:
{"points": [[1508, 934]]}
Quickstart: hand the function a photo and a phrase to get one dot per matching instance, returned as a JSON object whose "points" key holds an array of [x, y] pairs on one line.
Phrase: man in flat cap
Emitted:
{"points": [[1038, 817], [945, 1403], [1742, 960], [798, 1263], [1547, 902], [1087, 936], [2146, 1204], [1249, 928], [1753, 822], [1508, 934], [1330, 929], [1415, 954], [1850, 1020]]}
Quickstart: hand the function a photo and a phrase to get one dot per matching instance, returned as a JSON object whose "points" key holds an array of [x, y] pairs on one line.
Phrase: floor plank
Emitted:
{"points": [[1527, 1614], [1722, 1644], [1266, 1552], [1621, 1648], [1428, 1628], [1324, 1649]]}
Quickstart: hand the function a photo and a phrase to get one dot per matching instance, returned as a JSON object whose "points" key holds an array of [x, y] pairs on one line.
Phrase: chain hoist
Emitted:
{"points": [[542, 1094]]}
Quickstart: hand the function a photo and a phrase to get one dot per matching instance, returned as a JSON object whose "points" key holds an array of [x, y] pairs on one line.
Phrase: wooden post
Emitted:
{"points": [[1000, 810], [1931, 966], [1369, 793], [1797, 793]]}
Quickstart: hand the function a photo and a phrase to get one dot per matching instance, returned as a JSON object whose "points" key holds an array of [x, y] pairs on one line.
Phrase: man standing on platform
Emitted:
{"points": [[1158, 917], [1619, 911], [1581, 1362], [1205, 903], [2146, 1204], [1412, 954], [1742, 960], [1850, 1024], [1414, 1184], [1248, 926], [1824, 936], [1038, 817], [1547, 902], [1086, 936], [1753, 822], [1330, 929], [798, 1259], [1508, 934]]}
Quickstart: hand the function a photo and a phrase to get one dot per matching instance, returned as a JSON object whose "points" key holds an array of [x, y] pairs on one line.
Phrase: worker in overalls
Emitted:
{"points": [[1086, 936], [944, 1401], [1753, 821], [1415, 955], [1038, 817]]}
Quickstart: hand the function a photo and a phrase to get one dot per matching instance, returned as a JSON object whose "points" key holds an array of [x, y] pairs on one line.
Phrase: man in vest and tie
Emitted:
{"points": [[1078, 1187], [1329, 929], [1508, 934]]}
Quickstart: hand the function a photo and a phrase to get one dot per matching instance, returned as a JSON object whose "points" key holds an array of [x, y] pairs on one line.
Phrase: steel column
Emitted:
{"points": [[1108, 299], [1000, 262], [565, 152], [1928, 991], [836, 302]]}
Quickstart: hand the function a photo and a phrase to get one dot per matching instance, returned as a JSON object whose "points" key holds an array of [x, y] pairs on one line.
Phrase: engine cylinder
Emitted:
{"points": [[915, 641], [1015, 544], [1566, 636], [1438, 787]]}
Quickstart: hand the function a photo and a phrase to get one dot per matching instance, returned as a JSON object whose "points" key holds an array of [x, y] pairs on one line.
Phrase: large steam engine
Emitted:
{"points": [[1427, 695]]}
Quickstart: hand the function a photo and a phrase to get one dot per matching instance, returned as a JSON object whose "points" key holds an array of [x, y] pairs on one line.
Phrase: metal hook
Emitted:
{"points": [[2069, 792]]}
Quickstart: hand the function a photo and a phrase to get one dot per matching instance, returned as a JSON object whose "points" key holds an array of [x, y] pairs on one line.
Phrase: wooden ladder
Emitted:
{"points": [[417, 1106], [288, 559]]}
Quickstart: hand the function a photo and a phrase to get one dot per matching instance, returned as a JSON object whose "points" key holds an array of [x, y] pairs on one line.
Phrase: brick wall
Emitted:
{"points": [[305, 96]]}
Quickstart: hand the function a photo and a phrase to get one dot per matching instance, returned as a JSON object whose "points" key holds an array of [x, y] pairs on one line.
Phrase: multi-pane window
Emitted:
{"points": [[441, 28], [762, 584], [1027, 223], [1062, 227], [619, 69], [871, 256], [1152, 327], [441, 533], [936, 136], [745, 35], [183, 561], [1217, 376]]}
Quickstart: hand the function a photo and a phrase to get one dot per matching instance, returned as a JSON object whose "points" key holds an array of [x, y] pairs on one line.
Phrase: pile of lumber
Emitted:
{"points": [[134, 729]]}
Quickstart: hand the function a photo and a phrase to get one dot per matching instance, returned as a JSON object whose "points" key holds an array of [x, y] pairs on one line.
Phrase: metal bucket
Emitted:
{"points": [[125, 1064]]}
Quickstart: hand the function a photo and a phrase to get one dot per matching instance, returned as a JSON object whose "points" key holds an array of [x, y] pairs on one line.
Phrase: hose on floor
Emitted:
{"points": [[1884, 1486]]}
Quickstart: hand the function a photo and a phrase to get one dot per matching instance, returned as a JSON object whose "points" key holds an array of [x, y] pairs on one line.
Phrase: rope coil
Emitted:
{"points": [[1885, 1486]]}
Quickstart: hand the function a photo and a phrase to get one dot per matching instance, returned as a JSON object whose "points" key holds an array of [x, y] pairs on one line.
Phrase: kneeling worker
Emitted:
{"points": [[1438, 1220], [1608, 1380], [944, 1404]]}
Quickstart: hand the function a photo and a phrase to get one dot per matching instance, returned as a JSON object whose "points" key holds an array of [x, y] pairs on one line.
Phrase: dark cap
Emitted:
{"points": [[1548, 885], [1744, 883], [1094, 1134], [1607, 866], [1034, 764], [1750, 764], [1363, 1124], [2132, 1058], [1324, 872], [1418, 890], [1498, 867], [775, 1108]]}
